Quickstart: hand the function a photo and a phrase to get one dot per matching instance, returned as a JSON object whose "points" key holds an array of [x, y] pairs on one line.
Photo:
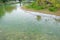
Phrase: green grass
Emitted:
{"points": [[53, 9], [36, 7]]}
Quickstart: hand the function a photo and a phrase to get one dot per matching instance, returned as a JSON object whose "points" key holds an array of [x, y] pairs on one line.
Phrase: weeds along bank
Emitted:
{"points": [[51, 5]]}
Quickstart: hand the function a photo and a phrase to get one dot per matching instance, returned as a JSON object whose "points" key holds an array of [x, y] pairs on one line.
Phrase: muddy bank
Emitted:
{"points": [[45, 11]]}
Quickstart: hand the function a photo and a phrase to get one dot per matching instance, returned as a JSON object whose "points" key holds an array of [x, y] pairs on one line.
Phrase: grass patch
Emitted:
{"points": [[37, 7], [34, 6], [53, 9]]}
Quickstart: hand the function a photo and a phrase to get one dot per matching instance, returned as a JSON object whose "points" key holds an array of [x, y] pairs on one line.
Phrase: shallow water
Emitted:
{"points": [[14, 20]]}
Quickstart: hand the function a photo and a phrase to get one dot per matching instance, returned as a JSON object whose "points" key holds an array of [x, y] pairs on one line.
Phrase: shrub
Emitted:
{"points": [[35, 6], [41, 7], [52, 9]]}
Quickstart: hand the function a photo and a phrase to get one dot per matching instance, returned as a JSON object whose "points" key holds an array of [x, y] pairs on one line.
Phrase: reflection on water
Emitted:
{"points": [[6, 8], [2, 12], [10, 8], [38, 17], [17, 24], [57, 20]]}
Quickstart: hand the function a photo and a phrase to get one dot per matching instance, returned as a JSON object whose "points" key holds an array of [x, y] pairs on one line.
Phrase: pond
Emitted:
{"points": [[18, 24]]}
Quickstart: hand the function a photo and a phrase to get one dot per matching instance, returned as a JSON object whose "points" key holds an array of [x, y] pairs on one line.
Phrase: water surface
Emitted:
{"points": [[14, 20]]}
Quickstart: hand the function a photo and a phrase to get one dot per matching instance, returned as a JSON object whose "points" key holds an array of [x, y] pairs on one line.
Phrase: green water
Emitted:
{"points": [[17, 24]]}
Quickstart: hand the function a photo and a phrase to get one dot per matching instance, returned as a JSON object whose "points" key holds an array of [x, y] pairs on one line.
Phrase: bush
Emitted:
{"points": [[41, 7], [38, 7], [35, 6], [52, 9]]}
